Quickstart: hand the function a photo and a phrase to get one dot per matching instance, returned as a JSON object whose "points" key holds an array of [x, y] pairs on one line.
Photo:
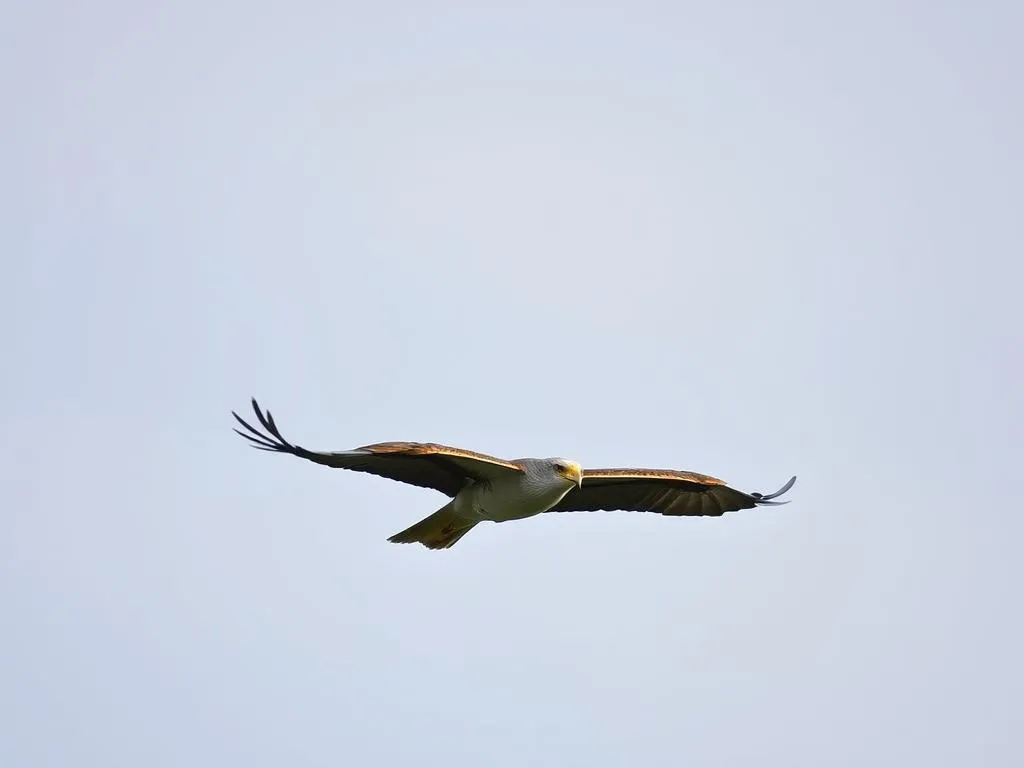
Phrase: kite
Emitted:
{"points": [[487, 488]]}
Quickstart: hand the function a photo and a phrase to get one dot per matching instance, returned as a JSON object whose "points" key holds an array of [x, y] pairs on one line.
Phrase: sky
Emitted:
{"points": [[745, 239]]}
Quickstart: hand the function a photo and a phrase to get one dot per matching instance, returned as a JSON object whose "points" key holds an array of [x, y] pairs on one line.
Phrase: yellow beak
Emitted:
{"points": [[575, 473]]}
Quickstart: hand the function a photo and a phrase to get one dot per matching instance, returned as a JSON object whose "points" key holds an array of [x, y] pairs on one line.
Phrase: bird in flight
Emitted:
{"points": [[485, 488]]}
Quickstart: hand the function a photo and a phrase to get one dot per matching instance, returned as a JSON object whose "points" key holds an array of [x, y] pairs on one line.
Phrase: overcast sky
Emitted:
{"points": [[746, 239]]}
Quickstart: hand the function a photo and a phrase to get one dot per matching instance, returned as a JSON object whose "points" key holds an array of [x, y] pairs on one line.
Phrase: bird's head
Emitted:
{"points": [[568, 469]]}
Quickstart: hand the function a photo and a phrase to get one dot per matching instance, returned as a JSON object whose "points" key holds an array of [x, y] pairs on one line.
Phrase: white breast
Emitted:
{"points": [[512, 498]]}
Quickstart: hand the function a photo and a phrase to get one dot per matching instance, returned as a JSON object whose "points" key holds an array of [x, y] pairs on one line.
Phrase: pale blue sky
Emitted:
{"points": [[744, 239]]}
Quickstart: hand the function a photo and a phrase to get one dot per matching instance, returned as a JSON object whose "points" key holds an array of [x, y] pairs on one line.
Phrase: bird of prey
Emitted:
{"points": [[483, 487]]}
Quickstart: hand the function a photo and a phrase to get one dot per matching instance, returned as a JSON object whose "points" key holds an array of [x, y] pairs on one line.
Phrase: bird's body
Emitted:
{"points": [[486, 488], [519, 494], [510, 496]]}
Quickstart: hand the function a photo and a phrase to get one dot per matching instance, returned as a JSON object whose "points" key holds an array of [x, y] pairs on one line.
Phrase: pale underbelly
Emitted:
{"points": [[499, 504], [502, 512]]}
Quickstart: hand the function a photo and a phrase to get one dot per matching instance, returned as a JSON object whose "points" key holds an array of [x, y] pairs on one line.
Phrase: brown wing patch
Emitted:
{"points": [[436, 449], [650, 474]]}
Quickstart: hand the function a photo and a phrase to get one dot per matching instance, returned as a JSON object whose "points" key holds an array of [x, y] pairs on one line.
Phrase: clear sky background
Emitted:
{"points": [[746, 239]]}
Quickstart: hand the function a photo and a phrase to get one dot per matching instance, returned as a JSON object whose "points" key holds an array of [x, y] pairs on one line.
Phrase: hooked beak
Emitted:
{"points": [[576, 473]]}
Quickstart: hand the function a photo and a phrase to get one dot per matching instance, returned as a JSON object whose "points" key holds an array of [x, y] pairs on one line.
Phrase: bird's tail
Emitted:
{"points": [[438, 531]]}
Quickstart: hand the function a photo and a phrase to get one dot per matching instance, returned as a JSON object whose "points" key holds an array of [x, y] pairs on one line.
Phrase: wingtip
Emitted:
{"points": [[766, 498], [272, 440]]}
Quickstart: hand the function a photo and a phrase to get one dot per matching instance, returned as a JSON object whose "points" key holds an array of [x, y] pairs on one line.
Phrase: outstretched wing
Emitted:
{"points": [[428, 465], [665, 491]]}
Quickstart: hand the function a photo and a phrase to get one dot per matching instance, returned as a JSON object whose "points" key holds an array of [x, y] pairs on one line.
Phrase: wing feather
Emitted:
{"points": [[427, 465], [664, 491]]}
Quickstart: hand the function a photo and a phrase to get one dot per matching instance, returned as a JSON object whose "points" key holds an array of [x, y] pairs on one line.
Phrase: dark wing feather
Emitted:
{"points": [[428, 465], [665, 491]]}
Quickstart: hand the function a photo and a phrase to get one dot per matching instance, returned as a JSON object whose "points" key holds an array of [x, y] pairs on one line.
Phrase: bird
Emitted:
{"points": [[487, 488]]}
